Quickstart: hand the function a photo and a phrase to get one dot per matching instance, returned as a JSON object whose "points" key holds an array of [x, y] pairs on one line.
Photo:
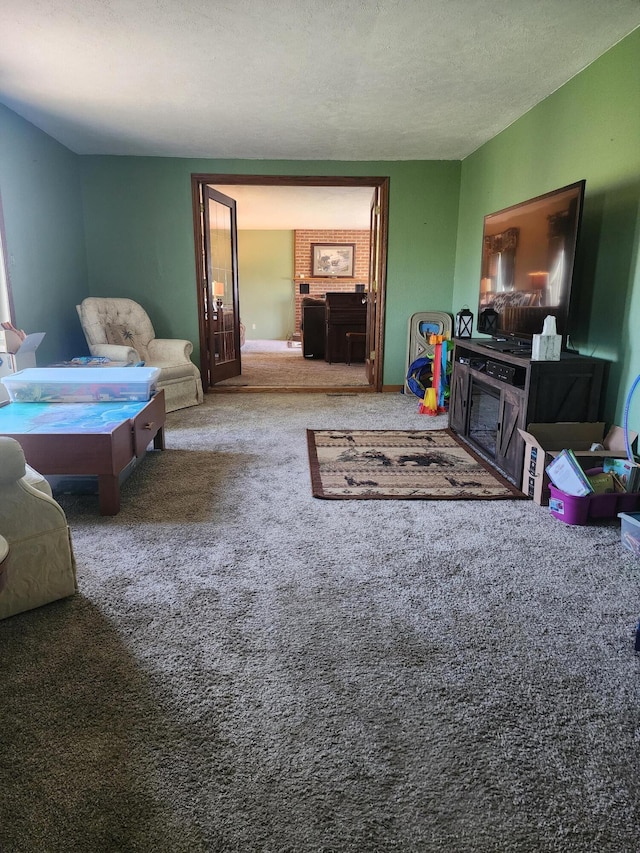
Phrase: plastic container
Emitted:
{"points": [[630, 531], [573, 510], [568, 508], [89, 385]]}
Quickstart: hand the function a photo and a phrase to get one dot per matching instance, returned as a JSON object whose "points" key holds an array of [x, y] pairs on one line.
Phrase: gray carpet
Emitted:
{"points": [[247, 668], [276, 365]]}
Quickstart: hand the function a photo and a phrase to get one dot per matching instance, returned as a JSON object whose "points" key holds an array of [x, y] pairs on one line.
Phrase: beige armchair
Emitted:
{"points": [[39, 566], [121, 330]]}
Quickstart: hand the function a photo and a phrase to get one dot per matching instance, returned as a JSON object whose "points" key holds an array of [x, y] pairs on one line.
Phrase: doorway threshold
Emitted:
{"points": [[296, 389]]}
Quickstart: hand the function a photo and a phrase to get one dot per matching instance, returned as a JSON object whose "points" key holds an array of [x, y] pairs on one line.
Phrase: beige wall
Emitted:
{"points": [[265, 284]]}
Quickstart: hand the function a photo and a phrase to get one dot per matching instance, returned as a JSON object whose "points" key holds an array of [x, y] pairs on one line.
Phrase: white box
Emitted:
{"points": [[23, 358]]}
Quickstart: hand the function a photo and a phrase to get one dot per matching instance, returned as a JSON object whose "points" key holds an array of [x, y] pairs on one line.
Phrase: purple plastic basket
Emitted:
{"points": [[574, 510]]}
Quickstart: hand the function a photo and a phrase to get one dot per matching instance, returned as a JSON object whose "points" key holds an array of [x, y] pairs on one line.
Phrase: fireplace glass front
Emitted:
{"points": [[484, 417]]}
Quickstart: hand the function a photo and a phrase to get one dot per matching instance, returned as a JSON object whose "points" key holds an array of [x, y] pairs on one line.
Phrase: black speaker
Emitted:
{"points": [[304, 287], [313, 331]]}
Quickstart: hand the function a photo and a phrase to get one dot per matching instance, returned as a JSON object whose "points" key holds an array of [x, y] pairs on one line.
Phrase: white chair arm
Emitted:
{"points": [[169, 350], [115, 352], [13, 465], [24, 509]]}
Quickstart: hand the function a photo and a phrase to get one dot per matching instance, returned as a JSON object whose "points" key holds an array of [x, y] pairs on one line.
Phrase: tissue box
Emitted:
{"points": [[546, 348]]}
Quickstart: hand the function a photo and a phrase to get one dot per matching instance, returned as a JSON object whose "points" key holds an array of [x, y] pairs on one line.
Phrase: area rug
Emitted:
{"points": [[400, 465]]}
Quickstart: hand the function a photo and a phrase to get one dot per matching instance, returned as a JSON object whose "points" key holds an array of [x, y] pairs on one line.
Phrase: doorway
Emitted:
{"points": [[296, 375], [221, 292]]}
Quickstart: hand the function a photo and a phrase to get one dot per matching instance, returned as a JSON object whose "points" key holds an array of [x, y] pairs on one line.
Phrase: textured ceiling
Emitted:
{"points": [[293, 79], [290, 208]]}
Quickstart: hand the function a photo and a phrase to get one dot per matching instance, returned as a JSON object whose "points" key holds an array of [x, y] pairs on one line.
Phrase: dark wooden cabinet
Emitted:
{"points": [[496, 392], [313, 330], [346, 312]]}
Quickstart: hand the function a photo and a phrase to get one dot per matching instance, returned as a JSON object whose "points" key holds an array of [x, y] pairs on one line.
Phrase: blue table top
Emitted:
{"points": [[21, 418]]}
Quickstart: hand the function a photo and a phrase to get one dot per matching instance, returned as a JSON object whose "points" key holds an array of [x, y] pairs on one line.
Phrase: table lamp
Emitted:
{"points": [[538, 282], [218, 292]]}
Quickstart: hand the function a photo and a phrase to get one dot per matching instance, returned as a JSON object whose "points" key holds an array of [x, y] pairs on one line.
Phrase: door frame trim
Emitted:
{"points": [[199, 179]]}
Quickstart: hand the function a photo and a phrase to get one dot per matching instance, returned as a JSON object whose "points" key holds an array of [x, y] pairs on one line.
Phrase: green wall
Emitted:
{"points": [[43, 218], [139, 230], [265, 273], [590, 128], [133, 217]]}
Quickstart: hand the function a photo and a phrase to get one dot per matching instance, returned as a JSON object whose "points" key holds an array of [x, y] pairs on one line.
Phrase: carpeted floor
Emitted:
{"points": [[400, 465], [274, 364], [249, 670]]}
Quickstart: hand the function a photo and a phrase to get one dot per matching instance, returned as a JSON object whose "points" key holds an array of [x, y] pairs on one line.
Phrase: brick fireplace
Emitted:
{"points": [[318, 287]]}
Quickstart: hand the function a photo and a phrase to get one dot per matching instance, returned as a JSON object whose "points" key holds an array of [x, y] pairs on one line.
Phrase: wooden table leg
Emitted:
{"points": [[158, 439], [108, 494]]}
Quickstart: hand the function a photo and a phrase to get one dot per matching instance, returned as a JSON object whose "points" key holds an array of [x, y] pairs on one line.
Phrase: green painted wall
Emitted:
{"points": [[42, 209], [139, 230], [265, 274], [590, 128]]}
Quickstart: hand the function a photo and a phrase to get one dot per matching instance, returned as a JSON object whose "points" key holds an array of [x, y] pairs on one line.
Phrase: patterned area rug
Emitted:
{"points": [[400, 465]]}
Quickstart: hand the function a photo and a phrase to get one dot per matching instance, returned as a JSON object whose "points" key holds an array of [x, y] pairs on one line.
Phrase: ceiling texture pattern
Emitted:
{"points": [[296, 79], [288, 208]]}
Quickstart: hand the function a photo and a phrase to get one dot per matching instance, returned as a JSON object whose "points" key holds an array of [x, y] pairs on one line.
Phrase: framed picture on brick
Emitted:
{"points": [[332, 260]]}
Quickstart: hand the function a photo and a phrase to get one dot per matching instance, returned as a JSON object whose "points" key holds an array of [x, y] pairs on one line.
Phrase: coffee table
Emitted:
{"points": [[86, 438]]}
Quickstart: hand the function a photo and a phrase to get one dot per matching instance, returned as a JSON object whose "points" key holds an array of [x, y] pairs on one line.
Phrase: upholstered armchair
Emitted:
{"points": [[121, 330], [39, 566]]}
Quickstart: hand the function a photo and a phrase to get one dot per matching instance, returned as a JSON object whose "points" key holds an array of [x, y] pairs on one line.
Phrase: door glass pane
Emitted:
{"points": [[221, 278], [5, 312], [484, 417]]}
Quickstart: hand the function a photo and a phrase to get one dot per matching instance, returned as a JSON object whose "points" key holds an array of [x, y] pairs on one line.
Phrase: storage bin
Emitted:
{"points": [[82, 385], [568, 508], [573, 510], [630, 531]]}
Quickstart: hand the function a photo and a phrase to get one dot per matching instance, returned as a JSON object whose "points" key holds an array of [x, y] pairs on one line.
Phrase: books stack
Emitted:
{"points": [[603, 483], [625, 474], [617, 476], [566, 474]]}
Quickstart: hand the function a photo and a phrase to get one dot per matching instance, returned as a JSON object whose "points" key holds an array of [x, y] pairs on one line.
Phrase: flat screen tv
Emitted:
{"points": [[528, 256]]}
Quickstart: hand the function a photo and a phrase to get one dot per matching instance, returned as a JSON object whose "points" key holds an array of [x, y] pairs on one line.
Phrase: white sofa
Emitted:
{"points": [[39, 566], [121, 330]]}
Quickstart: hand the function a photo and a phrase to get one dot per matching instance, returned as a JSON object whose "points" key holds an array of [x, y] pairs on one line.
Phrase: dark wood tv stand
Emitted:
{"points": [[494, 392]]}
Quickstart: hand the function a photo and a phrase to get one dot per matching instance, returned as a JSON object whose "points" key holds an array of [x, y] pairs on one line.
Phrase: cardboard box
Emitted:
{"points": [[13, 359], [543, 442]]}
